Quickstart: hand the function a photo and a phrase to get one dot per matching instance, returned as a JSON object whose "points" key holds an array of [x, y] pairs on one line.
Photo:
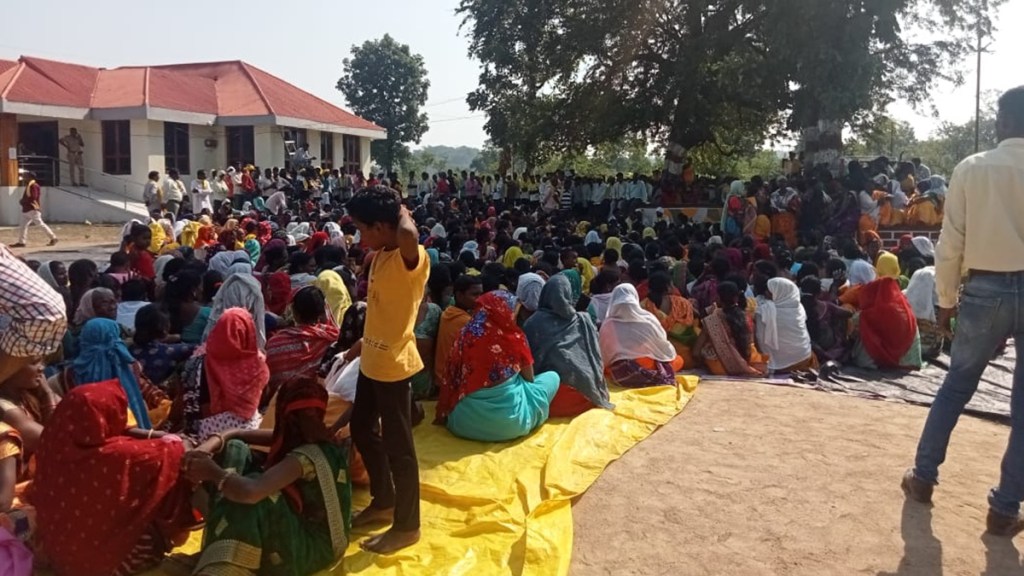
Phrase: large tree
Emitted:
{"points": [[384, 82], [689, 73]]}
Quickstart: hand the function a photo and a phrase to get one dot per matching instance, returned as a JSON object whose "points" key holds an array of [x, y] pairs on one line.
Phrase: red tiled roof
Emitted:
{"points": [[225, 89]]}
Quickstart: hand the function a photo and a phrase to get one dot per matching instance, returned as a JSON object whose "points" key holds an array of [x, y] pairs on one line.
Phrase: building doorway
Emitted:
{"points": [[39, 151]]}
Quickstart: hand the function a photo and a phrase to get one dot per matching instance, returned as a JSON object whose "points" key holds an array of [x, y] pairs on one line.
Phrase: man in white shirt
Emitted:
{"points": [[301, 158], [982, 234], [921, 171], [277, 202]]}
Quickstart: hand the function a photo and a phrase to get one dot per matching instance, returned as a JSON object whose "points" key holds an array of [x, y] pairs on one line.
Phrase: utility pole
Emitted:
{"points": [[977, 95]]}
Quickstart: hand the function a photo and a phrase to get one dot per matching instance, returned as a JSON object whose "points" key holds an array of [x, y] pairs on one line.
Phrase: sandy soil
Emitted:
{"points": [[70, 235], [753, 479]]}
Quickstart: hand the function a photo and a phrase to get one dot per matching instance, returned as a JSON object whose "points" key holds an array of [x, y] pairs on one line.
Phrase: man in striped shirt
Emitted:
{"points": [[32, 316]]}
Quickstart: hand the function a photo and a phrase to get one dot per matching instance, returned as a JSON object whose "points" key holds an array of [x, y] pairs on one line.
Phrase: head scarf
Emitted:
{"points": [[438, 231], [46, 273], [434, 255], [592, 238], [629, 332], [715, 241], [735, 258], [275, 243], [613, 243], [205, 237], [528, 290], [236, 370], [924, 246], [190, 233], [870, 235], [232, 262], [513, 254], [316, 241], [336, 238], [470, 247], [782, 325], [938, 186], [762, 252], [252, 247], [861, 273], [86, 311], [490, 349], [134, 483], [888, 265], [519, 232], [158, 267], [920, 294], [158, 236], [303, 399], [575, 283], [565, 342], [240, 291], [338, 298], [887, 325], [649, 233], [103, 356]]}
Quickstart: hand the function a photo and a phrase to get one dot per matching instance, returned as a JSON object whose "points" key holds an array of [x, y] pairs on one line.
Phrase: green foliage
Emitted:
{"points": [[387, 84], [561, 77], [883, 137]]}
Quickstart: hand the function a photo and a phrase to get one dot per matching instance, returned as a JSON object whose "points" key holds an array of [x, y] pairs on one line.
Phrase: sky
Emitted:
{"points": [[134, 32]]}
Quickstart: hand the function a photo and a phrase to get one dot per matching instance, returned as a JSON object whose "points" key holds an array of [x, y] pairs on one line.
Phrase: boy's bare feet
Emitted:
{"points": [[390, 541], [372, 516]]}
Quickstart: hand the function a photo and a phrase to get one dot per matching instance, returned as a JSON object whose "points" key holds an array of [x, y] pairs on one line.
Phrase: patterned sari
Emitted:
{"points": [[720, 354], [303, 530], [679, 322]]}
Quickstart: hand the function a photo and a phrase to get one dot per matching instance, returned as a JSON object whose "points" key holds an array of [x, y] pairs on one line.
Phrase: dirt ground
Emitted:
{"points": [[752, 479], [70, 235]]}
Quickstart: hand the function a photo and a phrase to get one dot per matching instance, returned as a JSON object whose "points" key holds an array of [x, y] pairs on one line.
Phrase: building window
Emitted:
{"points": [[327, 150], [352, 154], [241, 145], [117, 146], [176, 147]]}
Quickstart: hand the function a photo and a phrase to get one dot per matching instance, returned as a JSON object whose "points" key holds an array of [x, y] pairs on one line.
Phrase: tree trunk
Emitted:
{"points": [[822, 144]]}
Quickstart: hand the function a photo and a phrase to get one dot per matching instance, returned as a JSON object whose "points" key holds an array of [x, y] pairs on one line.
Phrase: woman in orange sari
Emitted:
{"points": [[675, 314], [786, 208], [726, 344]]}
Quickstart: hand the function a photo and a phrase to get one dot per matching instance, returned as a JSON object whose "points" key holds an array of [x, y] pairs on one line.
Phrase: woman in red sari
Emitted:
{"points": [[887, 329], [296, 352], [107, 503]]}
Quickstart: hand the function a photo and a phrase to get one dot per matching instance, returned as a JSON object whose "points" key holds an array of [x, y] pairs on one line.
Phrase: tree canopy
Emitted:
{"points": [[384, 82], [565, 75]]}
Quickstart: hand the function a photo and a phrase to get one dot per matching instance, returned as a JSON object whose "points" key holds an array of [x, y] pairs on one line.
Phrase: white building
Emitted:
{"points": [[137, 119]]}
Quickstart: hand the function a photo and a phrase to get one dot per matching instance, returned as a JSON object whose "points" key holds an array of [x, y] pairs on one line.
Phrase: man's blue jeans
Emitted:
{"points": [[991, 310]]}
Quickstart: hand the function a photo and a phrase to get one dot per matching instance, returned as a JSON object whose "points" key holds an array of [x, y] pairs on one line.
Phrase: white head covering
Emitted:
{"points": [[861, 273], [47, 275], [715, 240], [737, 188], [470, 246], [920, 293], [158, 267], [240, 291], [592, 238], [179, 226], [629, 332], [938, 185], [438, 231], [231, 262], [528, 290], [782, 325], [924, 246], [519, 232], [86, 311], [335, 235]]}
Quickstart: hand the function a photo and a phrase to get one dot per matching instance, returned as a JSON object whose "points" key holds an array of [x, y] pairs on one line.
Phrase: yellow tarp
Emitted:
{"points": [[505, 508]]}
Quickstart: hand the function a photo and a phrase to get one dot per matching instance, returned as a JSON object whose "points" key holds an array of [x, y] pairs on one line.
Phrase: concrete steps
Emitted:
{"points": [[81, 204]]}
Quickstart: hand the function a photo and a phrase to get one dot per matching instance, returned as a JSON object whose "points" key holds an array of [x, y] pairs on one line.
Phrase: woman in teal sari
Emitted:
{"points": [[490, 392], [292, 515]]}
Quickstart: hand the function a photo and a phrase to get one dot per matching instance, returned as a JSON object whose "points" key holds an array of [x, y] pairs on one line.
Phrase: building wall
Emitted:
{"points": [[203, 158], [339, 153], [10, 205], [364, 155]]}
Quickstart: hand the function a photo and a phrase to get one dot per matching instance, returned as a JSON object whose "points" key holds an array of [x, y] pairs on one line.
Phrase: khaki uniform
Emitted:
{"points": [[74, 146]]}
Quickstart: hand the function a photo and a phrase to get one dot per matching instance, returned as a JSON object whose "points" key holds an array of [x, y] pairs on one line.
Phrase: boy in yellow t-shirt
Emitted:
{"points": [[381, 417]]}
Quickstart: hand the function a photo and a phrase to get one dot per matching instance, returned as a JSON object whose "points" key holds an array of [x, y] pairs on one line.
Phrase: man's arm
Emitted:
{"points": [[408, 239], [949, 253]]}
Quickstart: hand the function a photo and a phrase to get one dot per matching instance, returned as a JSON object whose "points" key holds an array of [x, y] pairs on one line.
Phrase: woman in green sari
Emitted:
{"points": [[292, 515]]}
